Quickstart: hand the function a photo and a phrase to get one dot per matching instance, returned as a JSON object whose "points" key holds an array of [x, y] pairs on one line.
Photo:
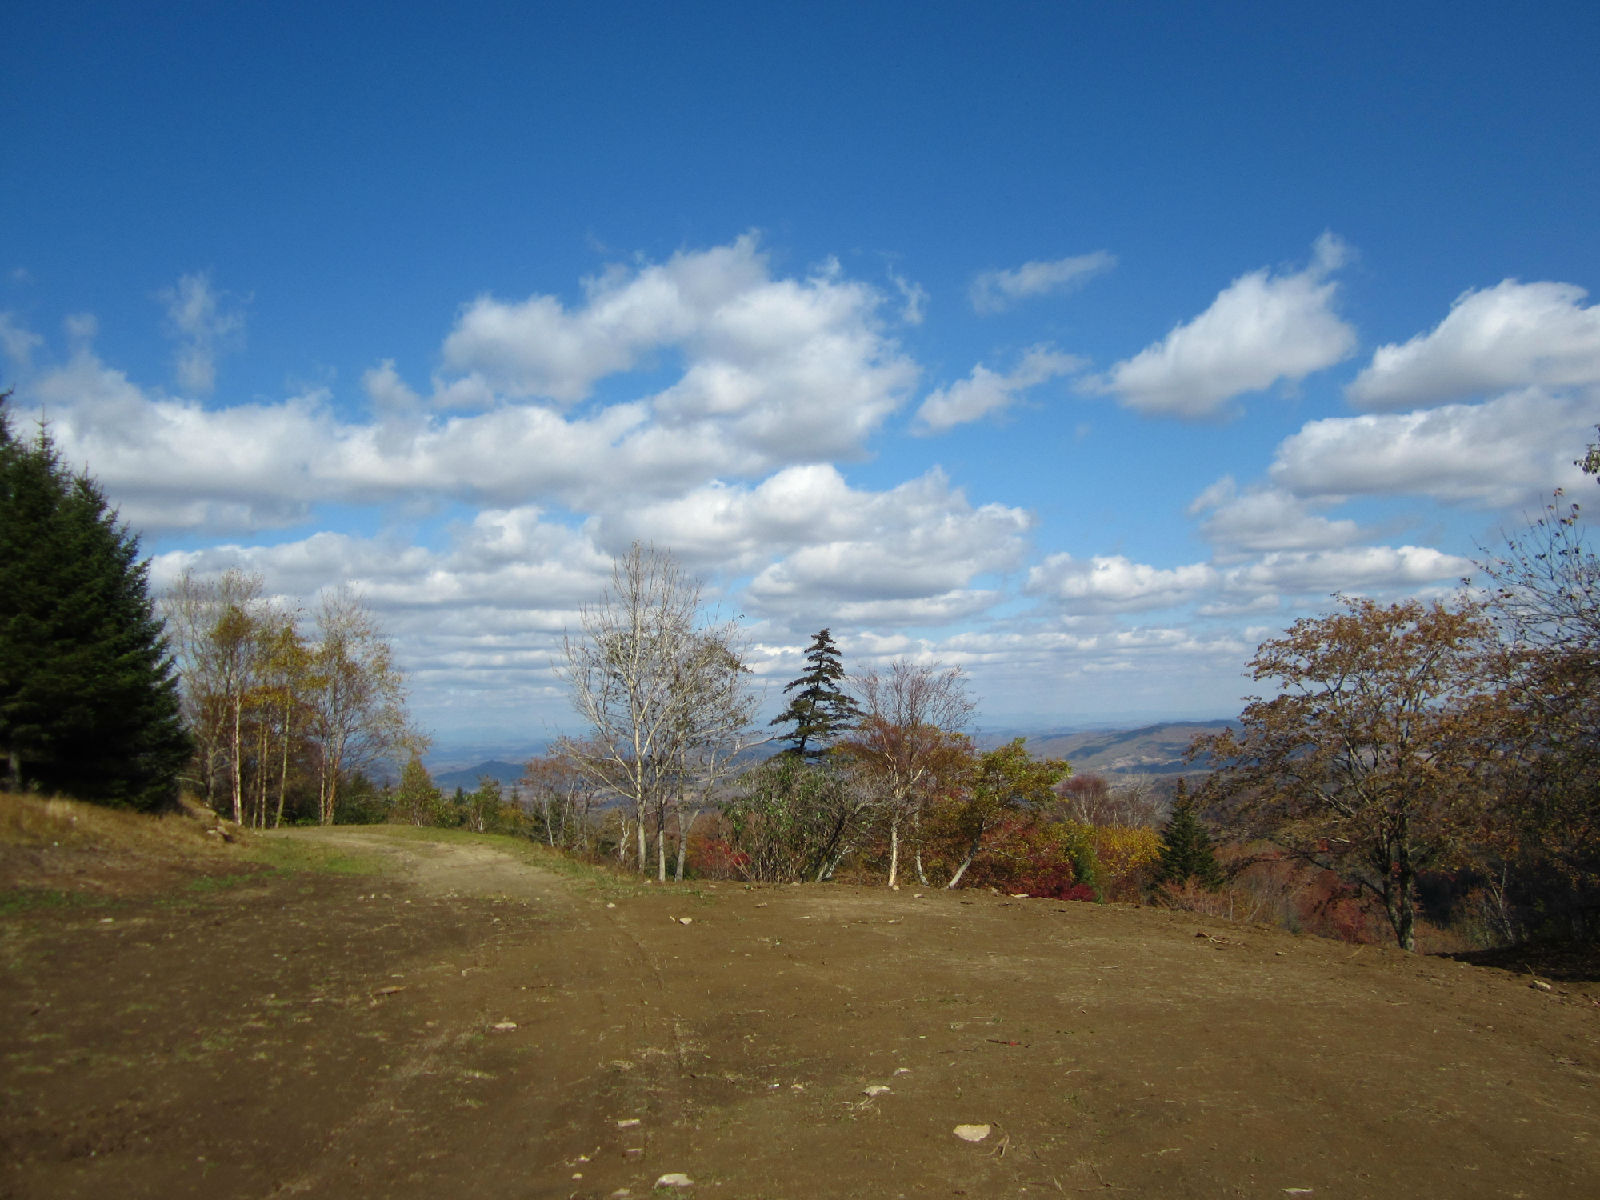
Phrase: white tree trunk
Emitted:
{"points": [[894, 851]]}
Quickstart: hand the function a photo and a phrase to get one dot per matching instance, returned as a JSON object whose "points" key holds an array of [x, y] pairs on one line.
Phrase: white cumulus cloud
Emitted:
{"points": [[769, 355], [1260, 329], [1513, 335], [1113, 583], [1511, 451], [774, 372], [1354, 568], [921, 541], [17, 343], [1264, 519], [538, 347]]}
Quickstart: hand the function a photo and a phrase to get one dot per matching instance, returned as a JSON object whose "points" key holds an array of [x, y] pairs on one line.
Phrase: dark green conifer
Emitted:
{"points": [[88, 698], [820, 709], [1186, 851]]}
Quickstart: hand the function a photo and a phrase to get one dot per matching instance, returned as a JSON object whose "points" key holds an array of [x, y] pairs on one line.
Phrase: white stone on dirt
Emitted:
{"points": [[876, 1089], [675, 1179], [972, 1133]]}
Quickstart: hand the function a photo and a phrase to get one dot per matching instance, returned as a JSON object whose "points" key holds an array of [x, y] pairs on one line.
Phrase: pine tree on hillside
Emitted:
{"points": [[1186, 846], [820, 709], [88, 700]]}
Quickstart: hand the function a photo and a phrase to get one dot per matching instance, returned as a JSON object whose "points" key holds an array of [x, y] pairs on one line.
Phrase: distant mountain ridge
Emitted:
{"points": [[1148, 750], [506, 773], [1159, 749]]}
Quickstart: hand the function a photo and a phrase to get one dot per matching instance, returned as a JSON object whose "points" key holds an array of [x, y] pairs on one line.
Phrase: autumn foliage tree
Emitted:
{"points": [[273, 711], [1004, 782], [1543, 847], [562, 799], [1375, 757], [791, 820], [909, 744], [355, 696], [219, 629], [1094, 799], [417, 801]]}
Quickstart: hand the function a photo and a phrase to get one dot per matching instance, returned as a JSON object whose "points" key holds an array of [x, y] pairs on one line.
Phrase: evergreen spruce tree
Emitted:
{"points": [[88, 698], [1186, 846], [820, 709]]}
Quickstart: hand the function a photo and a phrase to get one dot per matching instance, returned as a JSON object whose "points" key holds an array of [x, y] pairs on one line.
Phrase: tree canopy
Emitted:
{"points": [[820, 709], [88, 700], [910, 744], [1186, 852], [1544, 595], [1373, 760]]}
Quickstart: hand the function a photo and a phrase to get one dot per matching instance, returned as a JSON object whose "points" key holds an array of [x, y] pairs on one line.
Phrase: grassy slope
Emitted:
{"points": [[56, 851]]}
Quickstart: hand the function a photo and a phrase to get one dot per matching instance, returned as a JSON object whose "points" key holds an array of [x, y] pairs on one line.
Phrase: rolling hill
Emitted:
{"points": [[1148, 750]]}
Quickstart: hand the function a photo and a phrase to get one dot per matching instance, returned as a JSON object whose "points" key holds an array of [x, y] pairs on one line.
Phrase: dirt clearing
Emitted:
{"points": [[460, 1019]]}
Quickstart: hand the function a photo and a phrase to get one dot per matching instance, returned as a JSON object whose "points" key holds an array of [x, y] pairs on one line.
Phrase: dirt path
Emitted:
{"points": [[469, 1024]]}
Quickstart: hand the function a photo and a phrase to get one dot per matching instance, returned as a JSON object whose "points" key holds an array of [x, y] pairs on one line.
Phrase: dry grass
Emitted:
{"points": [[56, 845]]}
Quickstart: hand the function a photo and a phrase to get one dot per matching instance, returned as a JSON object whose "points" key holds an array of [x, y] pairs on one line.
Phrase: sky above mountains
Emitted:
{"points": [[1083, 349]]}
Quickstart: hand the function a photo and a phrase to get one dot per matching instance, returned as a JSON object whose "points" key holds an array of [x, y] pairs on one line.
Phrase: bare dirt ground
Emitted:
{"points": [[470, 1023]]}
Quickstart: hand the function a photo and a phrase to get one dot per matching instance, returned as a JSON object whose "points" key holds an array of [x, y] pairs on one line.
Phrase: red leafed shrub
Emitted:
{"points": [[1267, 886], [1025, 856], [714, 858]]}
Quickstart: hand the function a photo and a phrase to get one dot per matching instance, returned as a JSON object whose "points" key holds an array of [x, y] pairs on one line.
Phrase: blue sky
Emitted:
{"points": [[1083, 346]]}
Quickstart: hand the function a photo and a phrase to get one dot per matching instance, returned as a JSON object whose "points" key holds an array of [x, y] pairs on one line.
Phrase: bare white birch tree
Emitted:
{"points": [[664, 697]]}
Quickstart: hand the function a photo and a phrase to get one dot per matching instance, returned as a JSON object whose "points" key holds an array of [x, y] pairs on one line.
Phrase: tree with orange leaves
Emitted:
{"points": [[909, 743], [1375, 758]]}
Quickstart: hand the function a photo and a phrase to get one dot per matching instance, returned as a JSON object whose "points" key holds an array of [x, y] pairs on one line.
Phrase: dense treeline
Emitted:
{"points": [[1416, 768]]}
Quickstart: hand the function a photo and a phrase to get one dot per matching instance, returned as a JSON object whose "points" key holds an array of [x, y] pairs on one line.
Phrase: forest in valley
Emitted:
{"points": [[1423, 772]]}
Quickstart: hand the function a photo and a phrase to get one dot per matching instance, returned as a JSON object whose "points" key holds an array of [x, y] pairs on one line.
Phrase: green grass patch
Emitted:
{"points": [[287, 855]]}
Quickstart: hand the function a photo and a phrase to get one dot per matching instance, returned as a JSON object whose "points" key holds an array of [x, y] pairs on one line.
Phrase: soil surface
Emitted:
{"points": [[470, 1023]]}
